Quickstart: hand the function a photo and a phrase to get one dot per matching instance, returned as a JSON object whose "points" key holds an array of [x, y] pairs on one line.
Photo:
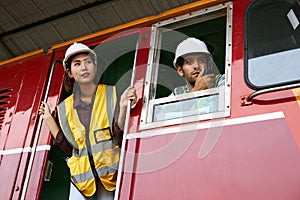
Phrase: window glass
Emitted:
{"points": [[186, 107], [272, 43], [116, 59]]}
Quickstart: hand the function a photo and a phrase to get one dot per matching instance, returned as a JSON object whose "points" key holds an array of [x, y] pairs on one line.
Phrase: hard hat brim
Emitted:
{"points": [[175, 60], [66, 59]]}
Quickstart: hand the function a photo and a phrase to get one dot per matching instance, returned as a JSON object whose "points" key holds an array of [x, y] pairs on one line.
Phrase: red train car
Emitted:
{"points": [[247, 147]]}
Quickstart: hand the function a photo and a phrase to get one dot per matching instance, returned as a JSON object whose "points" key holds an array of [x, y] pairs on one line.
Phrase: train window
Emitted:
{"points": [[272, 43], [162, 106]]}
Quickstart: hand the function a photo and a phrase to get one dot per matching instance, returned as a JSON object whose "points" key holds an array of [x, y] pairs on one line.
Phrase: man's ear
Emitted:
{"points": [[180, 71]]}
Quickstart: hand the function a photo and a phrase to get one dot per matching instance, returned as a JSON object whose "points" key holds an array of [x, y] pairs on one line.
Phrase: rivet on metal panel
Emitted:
{"points": [[145, 36]]}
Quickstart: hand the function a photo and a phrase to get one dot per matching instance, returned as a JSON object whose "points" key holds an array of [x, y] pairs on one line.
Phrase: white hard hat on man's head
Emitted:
{"points": [[190, 45], [76, 48]]}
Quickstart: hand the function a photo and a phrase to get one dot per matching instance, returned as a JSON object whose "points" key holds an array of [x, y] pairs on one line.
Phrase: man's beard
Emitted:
{"points": [[191, 81]]}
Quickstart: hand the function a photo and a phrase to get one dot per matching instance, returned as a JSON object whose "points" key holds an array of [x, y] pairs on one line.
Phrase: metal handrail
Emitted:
{"points": [[127, 117], [269, 90], [37, 135]]}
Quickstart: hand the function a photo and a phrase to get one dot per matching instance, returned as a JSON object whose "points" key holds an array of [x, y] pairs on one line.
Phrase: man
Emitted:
{"points": [[89, 126], [194, 62]]}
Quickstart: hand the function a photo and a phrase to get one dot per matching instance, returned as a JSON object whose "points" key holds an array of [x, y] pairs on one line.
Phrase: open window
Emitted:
{"points": [[161, 108], [272, 43]]}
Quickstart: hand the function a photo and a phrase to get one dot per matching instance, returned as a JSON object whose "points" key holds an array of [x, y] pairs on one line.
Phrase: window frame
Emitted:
{"points": [[247, 77], [149, 102]]}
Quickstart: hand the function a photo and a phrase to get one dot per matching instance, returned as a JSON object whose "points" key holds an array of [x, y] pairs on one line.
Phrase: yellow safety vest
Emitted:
{"points": [[98, 142]]}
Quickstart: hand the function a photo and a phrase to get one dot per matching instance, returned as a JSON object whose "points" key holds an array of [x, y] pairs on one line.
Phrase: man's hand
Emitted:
{"points": [[204, 82]]}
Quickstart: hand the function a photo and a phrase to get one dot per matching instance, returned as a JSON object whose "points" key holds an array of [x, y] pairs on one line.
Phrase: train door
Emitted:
{"points": [[116, 57], [22, 149]]}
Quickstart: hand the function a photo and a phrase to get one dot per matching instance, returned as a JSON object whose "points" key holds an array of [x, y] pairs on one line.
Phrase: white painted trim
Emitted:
{"points": [[211, 124], [43, 148], [24, 150]]}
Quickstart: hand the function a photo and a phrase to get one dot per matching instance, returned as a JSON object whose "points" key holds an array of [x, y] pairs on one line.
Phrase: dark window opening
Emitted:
{"points": [[212, 32], [117, 58]]}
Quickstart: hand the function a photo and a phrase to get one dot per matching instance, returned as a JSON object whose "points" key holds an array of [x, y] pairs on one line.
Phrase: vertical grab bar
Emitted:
{"points": [[121, 160], [37, 135]]}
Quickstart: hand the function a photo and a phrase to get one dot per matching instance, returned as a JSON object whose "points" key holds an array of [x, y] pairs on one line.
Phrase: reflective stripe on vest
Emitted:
{"points": [[105, 153]]}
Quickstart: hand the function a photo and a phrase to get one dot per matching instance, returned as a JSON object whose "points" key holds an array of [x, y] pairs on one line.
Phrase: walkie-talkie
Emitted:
{"points": [[209, 70]]}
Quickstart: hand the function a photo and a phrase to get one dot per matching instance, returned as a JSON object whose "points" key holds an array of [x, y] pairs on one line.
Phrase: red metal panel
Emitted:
{"points": [[127, 189], [250, 161], [283, 100], [24, 79], [36, 179], [37, 175], [8, 171], [27, 81], [12, 83]]}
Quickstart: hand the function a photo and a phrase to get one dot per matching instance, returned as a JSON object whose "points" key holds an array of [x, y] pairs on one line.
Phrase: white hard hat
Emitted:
{"points": [[76, 48], [190, 45]]}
